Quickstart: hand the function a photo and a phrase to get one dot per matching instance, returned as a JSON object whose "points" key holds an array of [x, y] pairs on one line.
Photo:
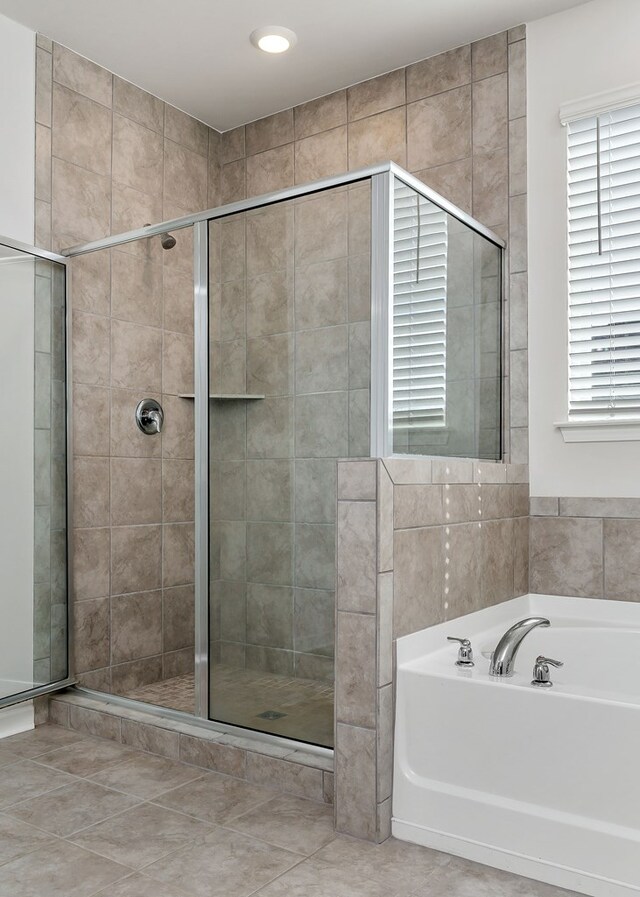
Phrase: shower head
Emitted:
{"points": [[168, 240]]}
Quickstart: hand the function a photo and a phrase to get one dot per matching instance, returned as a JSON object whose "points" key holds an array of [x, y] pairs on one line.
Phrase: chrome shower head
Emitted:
{"points": [[168, 240]]}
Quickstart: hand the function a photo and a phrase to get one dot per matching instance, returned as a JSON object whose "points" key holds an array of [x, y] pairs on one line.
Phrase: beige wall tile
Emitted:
{"points": [[417, 506], [357, 581], [355, 781], [136, 627], [177, 363], [151, 738], [521, 556], [184, 129], [185, 176], [43, 163], [270, 170], [356, 669], [357, 480], [320, 115], [490, 114], [544, 506], [321, 228], [566, 556], [81, 205], [91, 492], [439, 73], [380, 138], [178, 617], [136, 289], [517, 156], [418, 570], [136, 485], [136, 553], [321, 291], [178, 554], [126, 439], [81, 75], [208, 754], [43, 87], [491, 187], [232, 145], [517, 80], [621, 556], [90, 346], [91, 634], [462, 544], [178, 491], [137, 104], [132, 209], [81, 131], [518, 234], [266, 133], [136, 356], [91, 563], [453, 181], [376, 95], [321, 155], [385, 519], [233, 181], [497, 545], [290, 777], [439, 129], [489, 56]]}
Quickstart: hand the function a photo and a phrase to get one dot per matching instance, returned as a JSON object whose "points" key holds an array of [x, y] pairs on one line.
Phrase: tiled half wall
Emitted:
{"points": [[419, 542]]}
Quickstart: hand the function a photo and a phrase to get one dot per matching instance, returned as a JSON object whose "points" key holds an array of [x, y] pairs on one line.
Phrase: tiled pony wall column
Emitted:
{"points": [[419, 542], [110, 158], [422, 541]]}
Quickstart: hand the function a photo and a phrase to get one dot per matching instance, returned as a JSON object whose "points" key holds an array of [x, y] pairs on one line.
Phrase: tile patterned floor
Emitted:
{"points": [[81, 817], [240, 695]]}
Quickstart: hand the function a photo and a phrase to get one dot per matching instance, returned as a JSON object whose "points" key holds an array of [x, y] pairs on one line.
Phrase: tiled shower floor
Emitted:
{"points": [[240, 696], [84, 817]]}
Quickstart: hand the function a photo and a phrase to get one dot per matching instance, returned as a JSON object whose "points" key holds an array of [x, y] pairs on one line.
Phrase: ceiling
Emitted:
{"points": [[196, 54]]}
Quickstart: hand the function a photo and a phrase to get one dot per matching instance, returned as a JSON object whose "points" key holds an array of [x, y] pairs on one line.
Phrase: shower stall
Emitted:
{"points": [[249, 348]]}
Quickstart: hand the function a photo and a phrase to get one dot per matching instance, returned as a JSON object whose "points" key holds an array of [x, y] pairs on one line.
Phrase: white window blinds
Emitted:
{"points": [[604, 264], [419, 311]]}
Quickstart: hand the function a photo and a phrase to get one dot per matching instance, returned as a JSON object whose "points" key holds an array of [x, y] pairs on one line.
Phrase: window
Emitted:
{"points": [[604, 265], [419, 311]]}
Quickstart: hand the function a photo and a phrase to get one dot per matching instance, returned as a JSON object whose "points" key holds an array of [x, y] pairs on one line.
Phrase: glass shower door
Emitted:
{"points": [[33, 474], [289, 382]]}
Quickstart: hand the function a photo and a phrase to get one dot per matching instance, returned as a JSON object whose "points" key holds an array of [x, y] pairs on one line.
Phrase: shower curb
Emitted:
{"points": [[296, 772]]}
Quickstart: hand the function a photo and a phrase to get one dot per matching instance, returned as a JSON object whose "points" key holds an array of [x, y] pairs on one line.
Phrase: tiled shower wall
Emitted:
{"points": [[111, 158], [588, 547], [290, 322]]}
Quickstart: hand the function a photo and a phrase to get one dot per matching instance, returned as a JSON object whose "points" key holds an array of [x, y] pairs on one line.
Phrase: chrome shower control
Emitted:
{"points": [[541, 674], [465, 651], [149, 417]]}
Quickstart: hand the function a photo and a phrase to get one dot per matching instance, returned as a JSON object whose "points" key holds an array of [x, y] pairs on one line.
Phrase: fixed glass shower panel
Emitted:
{"points": [[446, 332], [33, 474], [289, 314]]}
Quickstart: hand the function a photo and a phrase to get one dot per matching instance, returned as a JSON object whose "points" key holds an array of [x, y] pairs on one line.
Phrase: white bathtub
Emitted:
{"points": [[540, 782]]}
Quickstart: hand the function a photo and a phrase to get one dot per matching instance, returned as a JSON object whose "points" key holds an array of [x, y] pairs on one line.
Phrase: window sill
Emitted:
{"points": [[600, 430]]}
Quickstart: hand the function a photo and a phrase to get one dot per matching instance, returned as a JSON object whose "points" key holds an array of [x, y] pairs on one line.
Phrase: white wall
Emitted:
{"points": [[586, 50], [17, 116]]}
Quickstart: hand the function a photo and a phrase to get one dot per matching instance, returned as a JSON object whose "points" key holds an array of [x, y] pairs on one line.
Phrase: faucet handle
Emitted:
{"points": [[465, 652], [554, 663], [541, 676]]}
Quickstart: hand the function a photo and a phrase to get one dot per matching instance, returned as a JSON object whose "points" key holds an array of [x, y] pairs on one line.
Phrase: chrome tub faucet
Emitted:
{"points": [[503, 658]]}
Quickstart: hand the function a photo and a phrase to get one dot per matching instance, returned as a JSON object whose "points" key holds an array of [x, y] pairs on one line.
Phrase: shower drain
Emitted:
{"points": [[271, 714]]}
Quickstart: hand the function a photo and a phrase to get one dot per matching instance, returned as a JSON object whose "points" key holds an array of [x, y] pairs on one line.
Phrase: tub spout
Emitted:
{"points": [[503, 658]]}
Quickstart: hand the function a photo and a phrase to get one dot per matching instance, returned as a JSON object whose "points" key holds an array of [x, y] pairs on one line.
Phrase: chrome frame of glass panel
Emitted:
{"points": [[201, 415], [50, 687], [382, 181]]}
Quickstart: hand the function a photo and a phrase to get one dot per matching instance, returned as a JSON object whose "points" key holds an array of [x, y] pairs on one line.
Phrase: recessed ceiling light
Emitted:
{"points": [[273, 38]]}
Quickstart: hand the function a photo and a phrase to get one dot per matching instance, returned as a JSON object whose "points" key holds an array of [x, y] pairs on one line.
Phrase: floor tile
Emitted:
{"points": [[87, 757], [27, 779], [39, 741], [140, 886], [226, 864], [17, 839], [7, 757], [147, 775], [392, 862], [315, 879], [461, 878], [72, 808], [215, 798], [61, 870], [142, 835], [291, 822]]}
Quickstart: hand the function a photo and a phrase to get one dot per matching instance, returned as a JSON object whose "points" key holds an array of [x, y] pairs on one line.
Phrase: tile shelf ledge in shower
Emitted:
{"points": [[225, 397]]}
